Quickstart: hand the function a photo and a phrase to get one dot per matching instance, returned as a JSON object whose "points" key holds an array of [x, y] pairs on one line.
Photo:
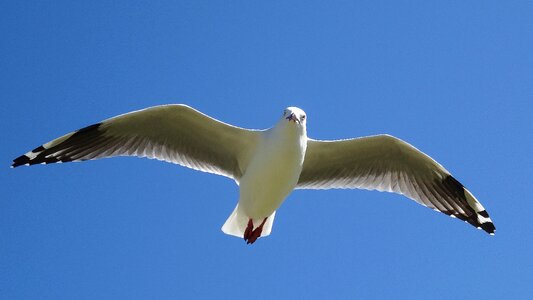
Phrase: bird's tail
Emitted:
{"points": [[236, 223]]}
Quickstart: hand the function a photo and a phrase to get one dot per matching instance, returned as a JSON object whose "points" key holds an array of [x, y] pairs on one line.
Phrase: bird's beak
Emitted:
{"points": [[292, 117]]}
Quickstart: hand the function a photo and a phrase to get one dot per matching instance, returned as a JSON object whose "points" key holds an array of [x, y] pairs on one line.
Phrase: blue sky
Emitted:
{"points": [[452, 78]]}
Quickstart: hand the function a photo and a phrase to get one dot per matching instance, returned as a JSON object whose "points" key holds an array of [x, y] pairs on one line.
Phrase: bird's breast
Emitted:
{"points": [[271, 175]]}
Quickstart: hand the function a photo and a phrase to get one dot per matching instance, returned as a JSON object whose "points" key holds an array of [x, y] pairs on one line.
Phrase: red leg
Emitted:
{"points": [[255, 234], [249, 230]]}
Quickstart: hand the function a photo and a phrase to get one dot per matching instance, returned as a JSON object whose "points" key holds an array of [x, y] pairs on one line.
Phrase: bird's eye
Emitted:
{"points": [[303, 117]]}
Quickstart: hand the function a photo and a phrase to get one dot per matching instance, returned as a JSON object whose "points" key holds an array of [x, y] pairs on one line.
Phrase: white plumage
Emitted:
{"points": [[267, 164]]}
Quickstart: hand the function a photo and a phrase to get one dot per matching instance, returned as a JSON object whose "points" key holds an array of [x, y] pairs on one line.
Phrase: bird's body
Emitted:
{"points": [[267, 164], [270, 177], [273, 172]]}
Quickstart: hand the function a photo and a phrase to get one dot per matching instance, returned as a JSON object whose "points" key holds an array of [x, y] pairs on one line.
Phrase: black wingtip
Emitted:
{"points": [[88, 128], [458, 190], [19, 161], [38, 149], [454, 187], [42, 154], [484, 213], [488, 227]]}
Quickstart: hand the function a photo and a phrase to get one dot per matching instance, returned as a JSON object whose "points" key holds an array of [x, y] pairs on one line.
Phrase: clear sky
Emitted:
{"points": [[454, 78]]}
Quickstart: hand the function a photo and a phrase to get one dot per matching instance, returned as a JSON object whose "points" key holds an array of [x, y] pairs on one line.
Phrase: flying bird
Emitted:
{"points": [[267, 164]]}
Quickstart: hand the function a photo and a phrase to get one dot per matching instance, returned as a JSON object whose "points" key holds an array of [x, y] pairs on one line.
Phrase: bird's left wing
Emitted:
{"points": [[386, 163], [173, 133]]}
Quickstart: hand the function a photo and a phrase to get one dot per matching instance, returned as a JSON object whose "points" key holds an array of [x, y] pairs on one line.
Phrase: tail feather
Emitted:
{"points": [[236, 223]]}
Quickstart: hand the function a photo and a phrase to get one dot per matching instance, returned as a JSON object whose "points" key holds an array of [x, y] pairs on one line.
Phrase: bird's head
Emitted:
{"points": [[294, 115]]}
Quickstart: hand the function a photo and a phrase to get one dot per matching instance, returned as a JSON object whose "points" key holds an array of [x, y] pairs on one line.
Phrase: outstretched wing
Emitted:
{"points": [[386, 163], [173, 133]]}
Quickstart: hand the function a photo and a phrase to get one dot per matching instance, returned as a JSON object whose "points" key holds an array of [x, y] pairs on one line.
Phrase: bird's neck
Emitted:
{"points": [[289, 131], [288, 136]]}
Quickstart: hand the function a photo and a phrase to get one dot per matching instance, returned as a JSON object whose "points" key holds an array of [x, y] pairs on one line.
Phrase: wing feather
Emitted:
{"points": [[173, 133], [386, 163]]}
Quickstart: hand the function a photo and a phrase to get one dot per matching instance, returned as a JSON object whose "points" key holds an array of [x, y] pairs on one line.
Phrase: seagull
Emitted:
{"points": [[269, 164]]}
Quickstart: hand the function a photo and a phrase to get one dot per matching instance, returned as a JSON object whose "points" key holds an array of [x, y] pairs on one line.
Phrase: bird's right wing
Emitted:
{"points": [[173, 133], [386, 163]]}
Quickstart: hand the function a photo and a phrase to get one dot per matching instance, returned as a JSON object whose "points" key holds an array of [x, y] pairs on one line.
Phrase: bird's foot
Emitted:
{"points": [[251, 234], [249, 230]]}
